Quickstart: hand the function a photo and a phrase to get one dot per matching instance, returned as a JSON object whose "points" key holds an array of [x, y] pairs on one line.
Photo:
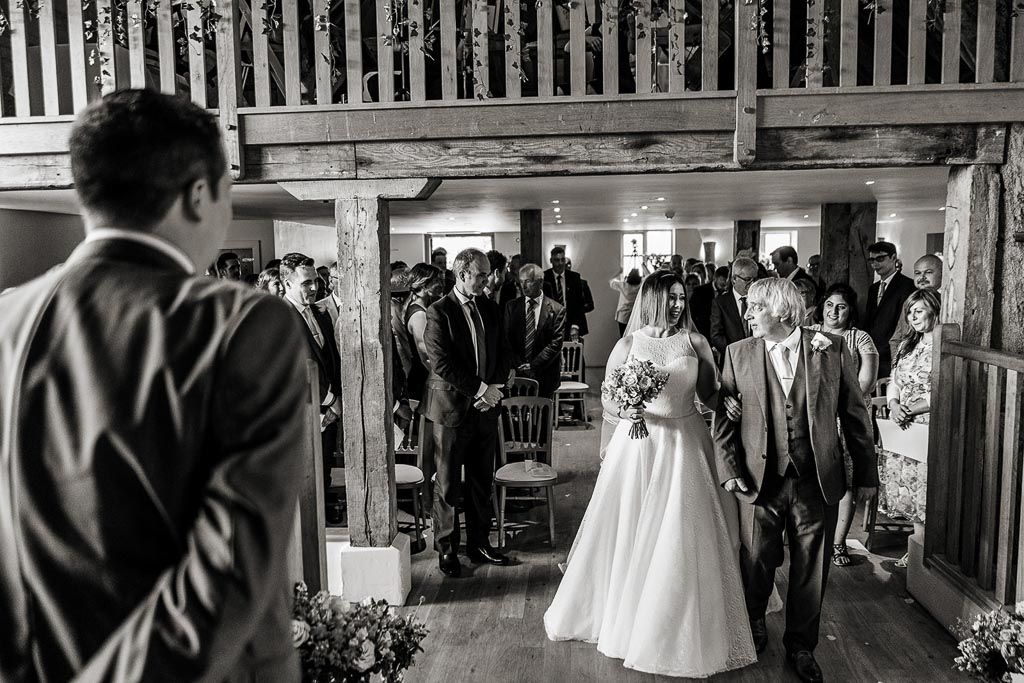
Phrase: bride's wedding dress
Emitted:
{"points": [[653, 576]]}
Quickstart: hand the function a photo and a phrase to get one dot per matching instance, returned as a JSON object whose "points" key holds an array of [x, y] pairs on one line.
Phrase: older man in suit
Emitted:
{"points": [[885, 301], [783, 459], [468, 352], [729, 308], [536, 328], [147, 498]]}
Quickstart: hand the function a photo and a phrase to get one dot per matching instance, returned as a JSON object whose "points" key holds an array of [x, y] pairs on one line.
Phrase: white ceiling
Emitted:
{"points": [[698, 200]]}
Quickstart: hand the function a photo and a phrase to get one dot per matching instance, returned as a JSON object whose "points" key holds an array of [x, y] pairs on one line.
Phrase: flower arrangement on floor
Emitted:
{"points": [[993, 649], [340, 642], [632, 385]]}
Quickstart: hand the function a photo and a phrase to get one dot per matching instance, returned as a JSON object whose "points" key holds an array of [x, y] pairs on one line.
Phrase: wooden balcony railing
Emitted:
{"points": [[55, 55], [975, 452]]}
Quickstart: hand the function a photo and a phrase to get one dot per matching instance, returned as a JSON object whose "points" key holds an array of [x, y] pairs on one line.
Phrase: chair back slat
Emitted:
{"points": [[412, 442], [572, 361], [526, 428], [523, 386]]}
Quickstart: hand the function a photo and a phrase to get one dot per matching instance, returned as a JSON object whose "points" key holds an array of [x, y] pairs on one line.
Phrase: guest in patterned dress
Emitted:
{"points": [[908, 396], [837, 314]]}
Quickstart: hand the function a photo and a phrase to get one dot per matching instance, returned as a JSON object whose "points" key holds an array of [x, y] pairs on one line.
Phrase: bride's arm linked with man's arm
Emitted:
{"points": [[729, 446]]}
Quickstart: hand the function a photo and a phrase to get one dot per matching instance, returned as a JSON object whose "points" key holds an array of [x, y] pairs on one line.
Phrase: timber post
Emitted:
{"points": [[747, 236], [531, 223], [847, 230]]}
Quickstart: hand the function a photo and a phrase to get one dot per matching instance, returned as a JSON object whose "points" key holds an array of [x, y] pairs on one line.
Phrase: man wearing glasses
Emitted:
{"points": [[885, 301], [728, 324]]}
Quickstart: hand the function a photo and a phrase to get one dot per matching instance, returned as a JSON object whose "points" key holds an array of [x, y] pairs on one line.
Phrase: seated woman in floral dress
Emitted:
{"points": [[837, 314], [909, 400]]}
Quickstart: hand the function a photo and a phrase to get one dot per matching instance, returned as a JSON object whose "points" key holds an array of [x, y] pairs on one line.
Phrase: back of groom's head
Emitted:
{"points": [[134, 152]]}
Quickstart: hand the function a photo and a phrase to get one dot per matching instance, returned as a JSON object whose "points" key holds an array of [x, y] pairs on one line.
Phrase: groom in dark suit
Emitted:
{"points": [[148, 424], [468, 353], [783, 458], [536, 328]]}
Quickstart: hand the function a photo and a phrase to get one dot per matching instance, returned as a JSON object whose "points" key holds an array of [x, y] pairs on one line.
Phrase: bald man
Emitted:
{"points": [[927, 275]]}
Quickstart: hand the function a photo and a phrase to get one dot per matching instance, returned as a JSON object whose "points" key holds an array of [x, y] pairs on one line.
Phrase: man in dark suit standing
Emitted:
{"points": [[704, 298], [727, 323], [787, 265], [439, 259], [148, 493], [885, 301], [536, 328], [566, 287], [300, 288], [468, 352]]}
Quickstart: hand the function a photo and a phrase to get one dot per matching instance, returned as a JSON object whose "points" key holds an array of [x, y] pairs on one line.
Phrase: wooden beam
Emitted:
{"points": [[530, 236], [847, 230], [35, 171], [969, 267], [745, 138], [1008, 333], [272, 163], [36, 136], [229, 62], [411, 188], [364, 335], [746, 237]]}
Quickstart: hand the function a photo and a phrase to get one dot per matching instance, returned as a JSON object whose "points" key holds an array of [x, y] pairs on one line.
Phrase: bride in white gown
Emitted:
{"points": [[653, 576]]}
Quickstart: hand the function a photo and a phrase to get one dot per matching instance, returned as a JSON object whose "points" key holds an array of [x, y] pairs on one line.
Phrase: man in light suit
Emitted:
{"points": [[536, 328], [783, 459], [147, 430], [729, 307], [468, 353], [885, 301]]}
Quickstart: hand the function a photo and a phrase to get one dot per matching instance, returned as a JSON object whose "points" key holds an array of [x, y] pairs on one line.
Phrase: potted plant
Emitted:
{"points": [[340, 642], [993, 648]]}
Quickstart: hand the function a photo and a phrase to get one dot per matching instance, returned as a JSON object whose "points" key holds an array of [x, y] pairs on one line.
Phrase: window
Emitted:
{"points": [[773, 239], [453, 244], [637, 245]]}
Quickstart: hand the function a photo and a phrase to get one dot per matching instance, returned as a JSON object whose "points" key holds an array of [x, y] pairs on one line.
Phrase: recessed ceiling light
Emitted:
{"points": [[450, 218], [869, 182], [892, 215], [643, 208], [557, 210], [942, 208], [661, 199], [807, 215], [559, 221], [633, 214], [554, 201], [625, 220]]}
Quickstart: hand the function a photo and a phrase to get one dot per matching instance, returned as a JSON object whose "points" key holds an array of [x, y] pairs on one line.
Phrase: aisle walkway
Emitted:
{"points": [[487, 626]]}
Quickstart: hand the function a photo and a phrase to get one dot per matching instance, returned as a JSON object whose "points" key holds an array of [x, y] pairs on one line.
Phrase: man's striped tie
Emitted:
{"points": [[531, 327]]}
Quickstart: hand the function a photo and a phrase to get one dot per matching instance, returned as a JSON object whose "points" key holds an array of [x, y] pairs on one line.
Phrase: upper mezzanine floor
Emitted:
{"points": [[500, 87]]}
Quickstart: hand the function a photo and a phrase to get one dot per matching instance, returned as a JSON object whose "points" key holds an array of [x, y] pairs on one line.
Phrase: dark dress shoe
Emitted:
{"points": [[449, 564], [488, 555], [806, 668], [759, 633]]}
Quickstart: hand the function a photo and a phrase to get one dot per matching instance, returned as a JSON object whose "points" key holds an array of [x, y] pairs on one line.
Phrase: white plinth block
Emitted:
{"points": [[359, 573]]}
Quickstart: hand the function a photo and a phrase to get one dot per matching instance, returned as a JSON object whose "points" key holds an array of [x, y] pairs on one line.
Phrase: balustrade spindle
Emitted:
{"points": [[18, 30], [577, 48], [417, 60], [709, 45], [917, 41], [322, 58], [479, 40], [196, 53], [76, 56], [951, 42], [986, 44], [106, 45], [973, 462], [260, 52], [545, 49], [849, 36], [385, 53], [954, 513], [449, 57], [990, 482], [610, 47], [1017, 49], [165, 47], [1009, 561], [676, 46], [883, 44], [510, 23], [814, 65], [48, 58], [136, 44], [354, 52], [292, 76], [780, 43], [644, 40]]}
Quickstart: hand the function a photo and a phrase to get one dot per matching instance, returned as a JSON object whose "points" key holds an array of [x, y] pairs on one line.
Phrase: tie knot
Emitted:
{"points": [[532, 303]]}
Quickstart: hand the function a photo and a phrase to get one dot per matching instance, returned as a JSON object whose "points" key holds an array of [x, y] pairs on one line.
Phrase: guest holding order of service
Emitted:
{"points": [[838, 315]]}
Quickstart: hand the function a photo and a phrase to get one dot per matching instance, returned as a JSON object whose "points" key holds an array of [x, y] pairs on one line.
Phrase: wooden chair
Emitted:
{"points": [[572, 389], [407, 477], [523, 386], [525, 430], [910, 443]]}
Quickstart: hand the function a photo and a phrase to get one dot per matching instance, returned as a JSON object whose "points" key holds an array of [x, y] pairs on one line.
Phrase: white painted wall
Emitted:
{"points": [[32, 242]]}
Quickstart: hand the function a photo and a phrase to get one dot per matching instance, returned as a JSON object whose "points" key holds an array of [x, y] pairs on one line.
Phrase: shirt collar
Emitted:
{"points": [[301, 308], [537, 299], [736, 295], [889, 279], [792, 342], [463, 299], [151, 241], [792, 273]]}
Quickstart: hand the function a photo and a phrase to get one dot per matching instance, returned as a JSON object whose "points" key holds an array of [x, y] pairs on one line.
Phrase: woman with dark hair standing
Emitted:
{"points": [[653, 576], [838, 315], [426, 285]]}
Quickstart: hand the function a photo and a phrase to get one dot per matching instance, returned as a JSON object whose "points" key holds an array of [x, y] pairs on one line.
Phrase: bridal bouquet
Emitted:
{"points": [[993, 649], [632, 385], [339, 642]]}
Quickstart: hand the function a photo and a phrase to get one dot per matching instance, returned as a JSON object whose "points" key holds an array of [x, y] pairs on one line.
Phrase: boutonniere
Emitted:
{"points": [[820, 343]]}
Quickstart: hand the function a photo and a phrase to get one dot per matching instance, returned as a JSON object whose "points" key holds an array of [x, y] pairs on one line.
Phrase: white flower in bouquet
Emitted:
{"points": [[300, 632], [633, 385], [367, 658]]}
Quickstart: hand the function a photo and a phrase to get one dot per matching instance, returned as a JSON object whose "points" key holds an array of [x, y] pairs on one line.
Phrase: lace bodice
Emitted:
{"points": [[676, 356]]}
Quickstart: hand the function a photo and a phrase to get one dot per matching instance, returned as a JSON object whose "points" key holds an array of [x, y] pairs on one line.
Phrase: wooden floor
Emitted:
{"points": [[487, 625]]}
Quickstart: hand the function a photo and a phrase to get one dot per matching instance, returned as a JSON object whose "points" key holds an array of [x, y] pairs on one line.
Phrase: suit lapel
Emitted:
{"points": [[733, 311], [755, 369], [545, 311]]}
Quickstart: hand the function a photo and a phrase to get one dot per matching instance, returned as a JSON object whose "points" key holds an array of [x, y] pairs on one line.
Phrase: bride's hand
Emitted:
{"points": [[633, 414]]}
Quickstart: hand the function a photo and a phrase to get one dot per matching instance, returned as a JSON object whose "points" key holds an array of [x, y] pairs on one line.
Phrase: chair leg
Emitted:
{"points": [[554, 417], [551, 513], [416, 512], [501, 517]]}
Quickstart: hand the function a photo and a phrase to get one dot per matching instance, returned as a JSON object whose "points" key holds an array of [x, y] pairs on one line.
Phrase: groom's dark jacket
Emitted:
{"points": [[775, 430]]}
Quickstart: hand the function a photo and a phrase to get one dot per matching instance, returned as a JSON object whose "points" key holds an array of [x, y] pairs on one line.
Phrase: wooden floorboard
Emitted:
{"points": [[488, 625]]}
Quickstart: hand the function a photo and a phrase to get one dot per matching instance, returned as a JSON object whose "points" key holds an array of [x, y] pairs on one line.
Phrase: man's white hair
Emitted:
{"points": [[531, 269], [781, 297]]}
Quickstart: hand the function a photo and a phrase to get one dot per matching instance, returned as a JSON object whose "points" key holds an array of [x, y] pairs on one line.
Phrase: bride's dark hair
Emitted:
{"points": [[654, 300]]}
